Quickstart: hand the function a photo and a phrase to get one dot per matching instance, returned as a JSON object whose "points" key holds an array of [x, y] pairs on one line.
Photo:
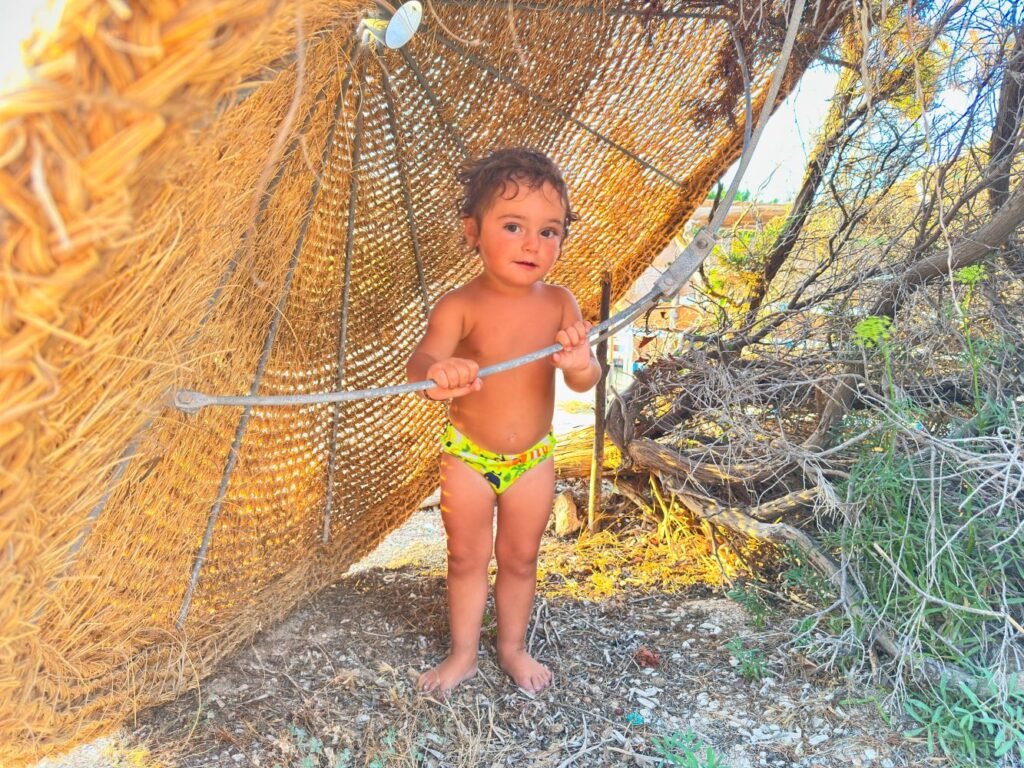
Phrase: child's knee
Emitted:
{"points": [[465, 560], [518, 562]]}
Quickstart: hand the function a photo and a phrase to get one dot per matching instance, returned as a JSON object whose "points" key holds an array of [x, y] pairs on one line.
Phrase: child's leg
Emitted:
{"points": [[467, 504], [523, 512]]}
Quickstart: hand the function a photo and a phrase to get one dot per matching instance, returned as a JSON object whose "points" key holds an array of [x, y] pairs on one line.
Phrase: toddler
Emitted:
{"points": [[498, 442]]}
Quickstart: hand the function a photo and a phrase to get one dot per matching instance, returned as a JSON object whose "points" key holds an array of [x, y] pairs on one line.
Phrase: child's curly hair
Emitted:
{"points": [[488, 176]]}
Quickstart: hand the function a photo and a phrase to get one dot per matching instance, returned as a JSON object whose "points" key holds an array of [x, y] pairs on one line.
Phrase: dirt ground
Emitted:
{"points": [[642, 677]]}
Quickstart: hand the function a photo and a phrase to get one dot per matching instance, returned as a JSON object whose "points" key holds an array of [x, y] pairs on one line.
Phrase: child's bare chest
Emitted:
{"points": [[502, 330]]}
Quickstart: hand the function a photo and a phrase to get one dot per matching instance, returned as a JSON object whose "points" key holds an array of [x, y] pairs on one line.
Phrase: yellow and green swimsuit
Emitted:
{"points": [[498, 469]]}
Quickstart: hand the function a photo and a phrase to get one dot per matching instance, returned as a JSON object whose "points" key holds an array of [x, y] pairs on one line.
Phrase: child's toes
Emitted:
{"points": [[428, 682]]}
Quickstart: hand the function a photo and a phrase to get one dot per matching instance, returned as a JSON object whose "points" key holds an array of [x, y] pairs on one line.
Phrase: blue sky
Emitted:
{"points": [[775, 171], [777, 166]]}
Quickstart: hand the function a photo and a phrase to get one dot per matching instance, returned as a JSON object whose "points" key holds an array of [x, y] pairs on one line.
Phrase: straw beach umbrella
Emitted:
{"points": [[259, 197]]}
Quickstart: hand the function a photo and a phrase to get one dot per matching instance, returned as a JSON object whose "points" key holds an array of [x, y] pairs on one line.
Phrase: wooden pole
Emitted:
{"points": [[597, 462]]}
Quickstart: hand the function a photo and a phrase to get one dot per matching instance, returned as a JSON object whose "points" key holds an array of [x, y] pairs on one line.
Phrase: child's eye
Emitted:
{"points": [[512, 227], [550, 233]]}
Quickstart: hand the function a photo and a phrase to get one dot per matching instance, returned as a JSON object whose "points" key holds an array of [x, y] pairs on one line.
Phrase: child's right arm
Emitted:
{"points": [[432, 358]]}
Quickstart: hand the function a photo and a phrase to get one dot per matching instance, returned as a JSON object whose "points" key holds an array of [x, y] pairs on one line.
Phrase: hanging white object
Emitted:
{"points": [[399, 29]]}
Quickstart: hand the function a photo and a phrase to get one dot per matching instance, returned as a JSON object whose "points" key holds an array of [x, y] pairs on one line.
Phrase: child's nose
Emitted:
{"points": [[531, 241]]}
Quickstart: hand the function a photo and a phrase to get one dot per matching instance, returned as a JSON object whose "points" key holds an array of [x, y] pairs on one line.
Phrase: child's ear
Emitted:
{"points": [[471, 230]]}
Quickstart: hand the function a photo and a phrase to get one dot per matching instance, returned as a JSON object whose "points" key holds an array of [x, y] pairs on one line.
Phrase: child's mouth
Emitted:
{"points": [[528, 264]]}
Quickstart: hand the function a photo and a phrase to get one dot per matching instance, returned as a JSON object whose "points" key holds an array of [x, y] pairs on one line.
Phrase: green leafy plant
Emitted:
{"points": [[874, 331], [388, 741], [313, 754], [752, 664], [686, 750], [970, 277], [931, 546], [968, 724], [748, 598]]}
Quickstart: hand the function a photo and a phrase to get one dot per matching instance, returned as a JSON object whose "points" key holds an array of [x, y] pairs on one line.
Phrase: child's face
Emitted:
{"points": [[520, 235]]}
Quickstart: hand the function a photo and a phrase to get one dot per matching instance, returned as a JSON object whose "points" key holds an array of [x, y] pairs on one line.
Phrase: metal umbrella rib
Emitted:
{"points": [[268, 345]]}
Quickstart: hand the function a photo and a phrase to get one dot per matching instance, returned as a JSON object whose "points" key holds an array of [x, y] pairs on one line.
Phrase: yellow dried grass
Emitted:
{"points": [[130, 170]]}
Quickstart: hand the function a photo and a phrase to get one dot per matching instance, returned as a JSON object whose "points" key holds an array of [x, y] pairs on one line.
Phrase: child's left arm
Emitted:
{"points": [[576, 360]]}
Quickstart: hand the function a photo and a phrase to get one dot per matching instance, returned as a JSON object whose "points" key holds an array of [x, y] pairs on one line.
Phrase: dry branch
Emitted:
{"points": [[652, 455], [838, 124]]}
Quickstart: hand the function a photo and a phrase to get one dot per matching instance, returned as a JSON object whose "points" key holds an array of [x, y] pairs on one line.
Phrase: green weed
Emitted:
{"points": [[875, 331], [933, 543], [389, 743], [686, 750], [748, 598], [971, 277], [974, 727], [752, 665], [313, 754]]}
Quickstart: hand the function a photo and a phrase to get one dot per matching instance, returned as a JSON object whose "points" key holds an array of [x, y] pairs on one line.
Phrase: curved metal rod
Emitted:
{"points": [[191, 402], [429, 91], [353, 191], [403, 176]]}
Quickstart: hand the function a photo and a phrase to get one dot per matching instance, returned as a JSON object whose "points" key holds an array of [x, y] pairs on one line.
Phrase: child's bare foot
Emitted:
{"points": [[448, 674], [525, 671]]}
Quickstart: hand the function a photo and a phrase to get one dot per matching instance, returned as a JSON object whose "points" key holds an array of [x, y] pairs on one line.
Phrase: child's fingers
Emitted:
{"points": [[460, 372], [473, 386], [467, 371], [573, 335], [455, 375], [440, 377]]}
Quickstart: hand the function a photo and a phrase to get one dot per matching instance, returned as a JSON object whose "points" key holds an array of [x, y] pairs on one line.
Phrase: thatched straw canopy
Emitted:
{"points": [[221, 195]]}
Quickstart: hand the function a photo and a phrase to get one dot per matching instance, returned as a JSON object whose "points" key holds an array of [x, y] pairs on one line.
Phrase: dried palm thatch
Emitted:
{"points": [[238, 196]]}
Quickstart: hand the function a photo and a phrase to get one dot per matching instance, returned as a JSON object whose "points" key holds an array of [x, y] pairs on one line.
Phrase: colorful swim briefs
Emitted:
{"points": [[500, 470]]}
